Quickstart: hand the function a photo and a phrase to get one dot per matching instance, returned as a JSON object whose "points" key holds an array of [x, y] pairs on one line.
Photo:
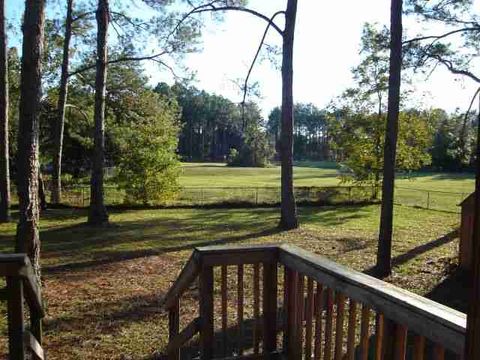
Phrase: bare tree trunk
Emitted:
{"points": [[42, 199], [98, 213], [62, 101], [288, 218], [378, 151], [472, 348], [4, 155], [384, 254], [28, 239]]}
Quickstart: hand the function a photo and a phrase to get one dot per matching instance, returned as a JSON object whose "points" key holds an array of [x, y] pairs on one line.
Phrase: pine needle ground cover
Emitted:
{"points": [[103, 287]]}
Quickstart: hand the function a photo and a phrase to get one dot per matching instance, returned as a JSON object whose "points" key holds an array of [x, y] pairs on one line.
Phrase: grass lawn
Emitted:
{"points": [[103, 287], [439, 191], [309, 174], [216, 183]]}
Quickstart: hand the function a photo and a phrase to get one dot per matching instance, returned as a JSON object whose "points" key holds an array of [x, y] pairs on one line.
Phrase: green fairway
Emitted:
{"points": [[439, 191], [309, 174], [216, 174]]}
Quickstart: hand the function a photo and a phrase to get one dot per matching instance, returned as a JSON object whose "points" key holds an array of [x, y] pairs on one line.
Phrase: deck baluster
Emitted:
{"points": [[329, 325], [224, 290], [256, 308], [339, 326], [352, 325], [309, 319], [364, 332], [270, 307], [318, 322]]}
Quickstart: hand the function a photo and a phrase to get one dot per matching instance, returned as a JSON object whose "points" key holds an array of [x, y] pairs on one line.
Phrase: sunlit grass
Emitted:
{"points": [[310, 174]]}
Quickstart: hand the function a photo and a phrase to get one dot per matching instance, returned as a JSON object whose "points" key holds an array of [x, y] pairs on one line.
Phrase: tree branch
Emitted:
{"points": [[471, 104], [79, 110], [245, 85], [119, 60], [130, 21], [449, 65], [438, 37], [242, 9], [82, 15]]}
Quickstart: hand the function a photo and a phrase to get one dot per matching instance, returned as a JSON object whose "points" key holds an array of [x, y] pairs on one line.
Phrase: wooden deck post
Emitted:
{"points": [[206, 313], [472, 345], [173, 328], [270, 306], [16, 327]]}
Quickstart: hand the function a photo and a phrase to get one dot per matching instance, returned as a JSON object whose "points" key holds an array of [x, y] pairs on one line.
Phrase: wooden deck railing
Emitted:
{"points": [[25, 342], [304, 306]]}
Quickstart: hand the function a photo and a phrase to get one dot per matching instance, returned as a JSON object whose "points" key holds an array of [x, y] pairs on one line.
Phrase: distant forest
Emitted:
{"points": [[211, 125]]}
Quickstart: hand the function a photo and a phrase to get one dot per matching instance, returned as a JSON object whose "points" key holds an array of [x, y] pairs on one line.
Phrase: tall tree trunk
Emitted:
{"points": [[378, 150], [28, 239], [62, 101], [472, 347], [4, 155], [288, 218], [98, 213], [384, 254]]}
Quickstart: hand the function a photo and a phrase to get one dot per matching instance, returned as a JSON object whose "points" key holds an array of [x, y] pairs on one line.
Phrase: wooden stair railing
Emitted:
{"points": [[21, 287], [304, 306]]}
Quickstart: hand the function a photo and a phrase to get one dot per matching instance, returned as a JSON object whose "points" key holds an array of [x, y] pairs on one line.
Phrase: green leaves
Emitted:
{"points": [[147, 166], [359, 140]]}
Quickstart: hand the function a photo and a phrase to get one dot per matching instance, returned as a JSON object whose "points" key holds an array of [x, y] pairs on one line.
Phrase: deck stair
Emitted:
{"points": [[279, 301]]}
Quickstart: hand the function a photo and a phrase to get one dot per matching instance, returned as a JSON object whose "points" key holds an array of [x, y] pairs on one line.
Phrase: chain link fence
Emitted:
{"points": [[430, 199], [210, 196], [79, 196]]}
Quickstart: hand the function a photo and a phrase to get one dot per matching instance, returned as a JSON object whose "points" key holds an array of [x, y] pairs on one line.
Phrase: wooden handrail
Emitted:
{"points": [[187, 276], [423, 316], [244, 254], [215, 255], [19, 265], [406, 311]]}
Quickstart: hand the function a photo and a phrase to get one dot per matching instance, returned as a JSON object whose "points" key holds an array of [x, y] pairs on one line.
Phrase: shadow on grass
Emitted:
{"points": [[57, 213], [106, 317], [439, 176], [330, 175], [334, 215], [228, 344], [108, 257], [417, 251], [77, 246], [330, 165], [413, 253], [453, 291]]}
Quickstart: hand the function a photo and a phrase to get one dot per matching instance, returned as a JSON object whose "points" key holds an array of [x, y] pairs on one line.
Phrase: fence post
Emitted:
{"points": [[428, 199], [256, 196], [16, 327], [350, 194]]}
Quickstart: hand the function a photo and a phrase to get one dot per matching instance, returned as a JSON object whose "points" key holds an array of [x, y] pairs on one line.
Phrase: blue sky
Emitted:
{"points": [[326, 48]]}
